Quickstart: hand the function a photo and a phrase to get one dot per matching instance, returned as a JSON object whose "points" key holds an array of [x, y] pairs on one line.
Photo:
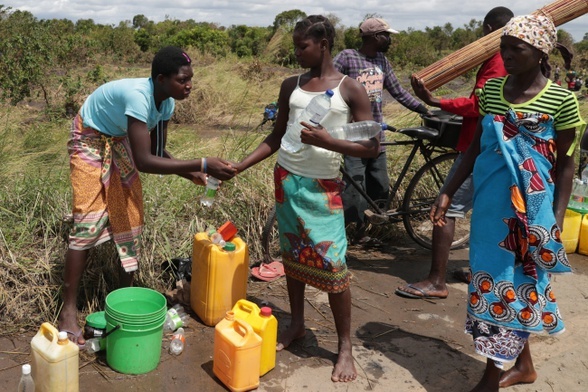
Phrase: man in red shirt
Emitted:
{"points": [[434, 285]]}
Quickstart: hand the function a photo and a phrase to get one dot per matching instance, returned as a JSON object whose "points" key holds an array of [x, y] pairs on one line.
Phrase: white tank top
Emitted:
{"points": [[312, 161]]}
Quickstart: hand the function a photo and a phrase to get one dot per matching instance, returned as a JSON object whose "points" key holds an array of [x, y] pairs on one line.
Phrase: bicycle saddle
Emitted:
{"points": [[420, 132]]}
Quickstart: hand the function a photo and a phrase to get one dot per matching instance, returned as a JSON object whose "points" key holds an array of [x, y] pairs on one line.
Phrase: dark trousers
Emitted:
{"points": [[372, 175]]}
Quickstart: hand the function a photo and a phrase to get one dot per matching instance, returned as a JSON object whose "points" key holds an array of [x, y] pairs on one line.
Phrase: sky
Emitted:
{"points": [[400, 14]]}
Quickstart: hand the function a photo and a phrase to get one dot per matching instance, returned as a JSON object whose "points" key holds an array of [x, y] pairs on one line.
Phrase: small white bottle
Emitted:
{"points": [[361, 130], [209, 194], [313, 114], [26, 383], [177, 343]]}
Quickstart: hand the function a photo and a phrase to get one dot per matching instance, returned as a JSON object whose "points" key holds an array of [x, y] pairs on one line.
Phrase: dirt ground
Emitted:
{"points": [[399, 344]]}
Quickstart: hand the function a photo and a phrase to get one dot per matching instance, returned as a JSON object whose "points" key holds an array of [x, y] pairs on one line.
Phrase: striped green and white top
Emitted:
{"points": [[553, 100]]}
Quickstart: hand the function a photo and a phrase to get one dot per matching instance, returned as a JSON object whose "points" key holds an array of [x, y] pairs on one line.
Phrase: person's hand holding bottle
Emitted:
{"points": [[219, 168]]}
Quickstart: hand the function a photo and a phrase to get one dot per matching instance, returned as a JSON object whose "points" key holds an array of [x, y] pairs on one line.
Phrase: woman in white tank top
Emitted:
{"points": [[308, 190]]}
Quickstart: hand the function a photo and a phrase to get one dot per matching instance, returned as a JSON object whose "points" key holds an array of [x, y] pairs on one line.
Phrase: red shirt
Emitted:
{"points": [[468, 107]]}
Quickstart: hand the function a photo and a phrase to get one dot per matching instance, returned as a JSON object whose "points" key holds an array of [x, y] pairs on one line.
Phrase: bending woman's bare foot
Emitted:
{"points": [[344, 370], [288, 336], [68, 323], [514, 376]]}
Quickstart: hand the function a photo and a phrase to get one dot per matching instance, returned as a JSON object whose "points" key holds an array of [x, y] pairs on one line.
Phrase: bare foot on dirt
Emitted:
{"points": [[423, 289], [288, 336], [68, 323], [344, 370], [514, 376]]}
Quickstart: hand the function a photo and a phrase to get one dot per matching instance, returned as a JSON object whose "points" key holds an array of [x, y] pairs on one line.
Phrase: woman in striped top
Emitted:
{"points": [[522, 164]]}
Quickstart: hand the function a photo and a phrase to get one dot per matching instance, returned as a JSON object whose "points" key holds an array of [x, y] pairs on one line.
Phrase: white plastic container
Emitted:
{"points": [[55, 361], [316, 110]]}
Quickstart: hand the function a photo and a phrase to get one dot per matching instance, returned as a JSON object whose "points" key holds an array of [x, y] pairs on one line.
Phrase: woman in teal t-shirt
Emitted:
{"points": [[120, 131]]}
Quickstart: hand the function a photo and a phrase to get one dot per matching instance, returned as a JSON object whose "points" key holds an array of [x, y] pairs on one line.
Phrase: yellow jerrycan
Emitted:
{"points": [[219, 277], [237, 353], [265, 325], [55, 361], [583, 240]]}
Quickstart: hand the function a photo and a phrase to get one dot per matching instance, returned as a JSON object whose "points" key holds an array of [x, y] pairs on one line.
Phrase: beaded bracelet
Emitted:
{"points": [[203, 165]]}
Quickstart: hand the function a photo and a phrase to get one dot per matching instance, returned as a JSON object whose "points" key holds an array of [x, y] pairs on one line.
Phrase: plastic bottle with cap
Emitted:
{"points": [[210, 192], [26, 383], [176, 347], [313, 114], [361, 130]]}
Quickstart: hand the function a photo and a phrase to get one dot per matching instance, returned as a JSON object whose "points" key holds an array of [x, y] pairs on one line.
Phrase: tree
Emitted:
{"points": [[25, 55], [140, 21], [203, 37], [248, 41], [288, 19]]}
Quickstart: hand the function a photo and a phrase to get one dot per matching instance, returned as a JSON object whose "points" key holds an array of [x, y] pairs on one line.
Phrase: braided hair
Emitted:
{"points": [[168, 61], [316, 27]]}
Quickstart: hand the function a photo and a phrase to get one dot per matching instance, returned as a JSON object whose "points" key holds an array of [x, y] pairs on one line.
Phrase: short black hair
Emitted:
{"points": [[316, 27], [498, 17], [168, 61]]}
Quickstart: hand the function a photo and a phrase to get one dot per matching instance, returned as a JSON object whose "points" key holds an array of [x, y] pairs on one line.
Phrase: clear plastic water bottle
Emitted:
{"points": [[217, 238], [210, 192], [583, 162], [94, 345], [577, 197], [175, 318], [361, 130], [26, 383], [583, 192], [314, 113], [177, 343]]}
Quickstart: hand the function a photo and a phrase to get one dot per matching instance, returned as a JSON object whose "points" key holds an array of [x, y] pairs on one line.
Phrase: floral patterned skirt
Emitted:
{"points": [[312, 230], [107, 193]]}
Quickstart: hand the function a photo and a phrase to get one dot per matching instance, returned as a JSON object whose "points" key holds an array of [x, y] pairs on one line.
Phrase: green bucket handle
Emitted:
{"points": [[118, 326]]}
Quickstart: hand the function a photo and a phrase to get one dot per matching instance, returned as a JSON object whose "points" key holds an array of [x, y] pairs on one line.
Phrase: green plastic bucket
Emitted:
{"points": [[134, 329]]}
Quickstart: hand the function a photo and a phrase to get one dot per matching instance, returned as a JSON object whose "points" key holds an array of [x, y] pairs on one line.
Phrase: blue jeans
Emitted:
{"points": [[463, 199], [372, 175]]}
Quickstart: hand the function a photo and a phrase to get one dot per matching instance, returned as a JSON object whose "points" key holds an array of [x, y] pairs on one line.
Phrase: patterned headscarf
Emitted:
{"points": [[536, 30]]}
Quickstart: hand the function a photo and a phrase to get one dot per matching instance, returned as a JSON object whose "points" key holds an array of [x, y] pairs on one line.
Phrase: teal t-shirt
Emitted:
{"points": [[107, 108]]}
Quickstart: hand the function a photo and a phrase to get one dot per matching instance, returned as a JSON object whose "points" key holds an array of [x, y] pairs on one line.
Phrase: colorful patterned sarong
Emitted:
{"points": [[312, 230], [107, 193], [515, 242]]}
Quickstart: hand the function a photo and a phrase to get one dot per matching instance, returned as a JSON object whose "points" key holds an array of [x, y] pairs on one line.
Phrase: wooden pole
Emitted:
{"points": [[474, 54]]}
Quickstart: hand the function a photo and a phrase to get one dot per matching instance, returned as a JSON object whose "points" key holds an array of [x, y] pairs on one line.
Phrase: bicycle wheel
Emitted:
{"points": [[270, 238], [420, 194]]}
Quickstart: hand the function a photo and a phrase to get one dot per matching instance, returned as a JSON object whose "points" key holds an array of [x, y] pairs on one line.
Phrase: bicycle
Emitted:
{"points": [[435, 146], [270, 114]]}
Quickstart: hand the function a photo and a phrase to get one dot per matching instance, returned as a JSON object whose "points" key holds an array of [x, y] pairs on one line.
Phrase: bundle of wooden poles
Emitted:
{"points": [[474, 54]]}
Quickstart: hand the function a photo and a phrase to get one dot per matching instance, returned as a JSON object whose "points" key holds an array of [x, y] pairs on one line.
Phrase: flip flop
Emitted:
{"points": [[423, 295], [268, 272], [76, 337]]}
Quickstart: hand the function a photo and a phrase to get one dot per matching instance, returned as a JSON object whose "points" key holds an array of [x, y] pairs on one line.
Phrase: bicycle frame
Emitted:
{"points": [[418, 144]]}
